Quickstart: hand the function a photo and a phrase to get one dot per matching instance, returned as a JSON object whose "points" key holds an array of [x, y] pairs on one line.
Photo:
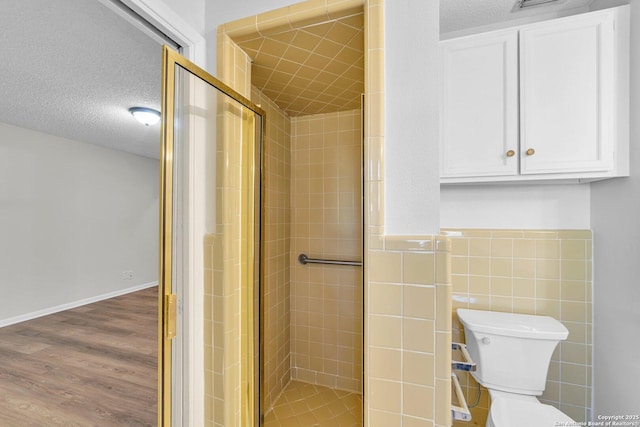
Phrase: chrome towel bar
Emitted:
{"points": [[303, 259]]}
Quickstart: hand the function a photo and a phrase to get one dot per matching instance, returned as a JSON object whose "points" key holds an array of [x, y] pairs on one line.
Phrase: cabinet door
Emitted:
{"points": [[567, 93], [480, 105]]}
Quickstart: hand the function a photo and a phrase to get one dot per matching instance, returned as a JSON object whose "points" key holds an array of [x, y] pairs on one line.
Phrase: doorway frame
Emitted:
{"points": [[301, 15], [191, 382]]}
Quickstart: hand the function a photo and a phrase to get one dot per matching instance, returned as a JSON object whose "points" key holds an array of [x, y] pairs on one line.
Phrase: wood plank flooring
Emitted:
{"points": [[94, 365]]}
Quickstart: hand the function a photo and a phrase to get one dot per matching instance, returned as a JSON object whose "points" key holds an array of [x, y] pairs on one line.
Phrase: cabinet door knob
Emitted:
{"points": [[530, 152], [511, 153]]}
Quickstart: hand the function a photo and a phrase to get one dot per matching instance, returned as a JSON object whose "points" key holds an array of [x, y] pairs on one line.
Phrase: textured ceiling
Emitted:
{"points": [[73, 68], [310, 70], [456, 15]]}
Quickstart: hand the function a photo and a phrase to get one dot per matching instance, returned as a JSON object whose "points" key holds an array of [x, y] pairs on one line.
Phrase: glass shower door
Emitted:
{"points": [[209, 275]]}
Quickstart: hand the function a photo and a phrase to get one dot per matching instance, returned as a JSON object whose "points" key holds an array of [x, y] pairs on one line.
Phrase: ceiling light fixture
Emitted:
{"points": [[146, 116], [527, 3]]}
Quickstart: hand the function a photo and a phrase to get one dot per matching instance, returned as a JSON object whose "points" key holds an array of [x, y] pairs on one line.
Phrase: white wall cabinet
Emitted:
{"points": [[480, 124], [545, 101]]}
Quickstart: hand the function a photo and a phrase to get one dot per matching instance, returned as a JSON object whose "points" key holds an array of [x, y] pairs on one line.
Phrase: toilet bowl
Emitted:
{"points": [[512, 353], [506, 412]]}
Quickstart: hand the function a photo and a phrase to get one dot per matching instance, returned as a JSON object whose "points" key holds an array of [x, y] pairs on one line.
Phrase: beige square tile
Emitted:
{"points": [[479, 302], [501, 286], [385, 363], [459, 246], [548, 289], [574, 374], [479, 266], [546, 307], [547, 269], [444, 355], [384, 419], [385, 331], [419, 301], [479, 247], [574, 353], [573, 249], [419, 268], [499, 303], [573, 291], [480, 285], [443, 402], [459, 265], [460, 284], [443, 308], [525, 288], [418, 335], [574, 269], [418, 368], [573, 311], [524, 248], [524, 305], [443, 267], [385, 395], [409, 421], [524, 268], [385, 266], [573, 394], [548, 249], [416, 401], [385, 298], [502, 248], [577, 332], [502, 267]]}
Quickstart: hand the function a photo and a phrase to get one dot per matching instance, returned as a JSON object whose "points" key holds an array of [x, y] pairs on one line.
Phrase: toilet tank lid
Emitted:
{"points": [[512, 324]]}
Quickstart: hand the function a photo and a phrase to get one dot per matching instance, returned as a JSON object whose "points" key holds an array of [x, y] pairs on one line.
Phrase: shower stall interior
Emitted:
{"points": [[312, 317]]}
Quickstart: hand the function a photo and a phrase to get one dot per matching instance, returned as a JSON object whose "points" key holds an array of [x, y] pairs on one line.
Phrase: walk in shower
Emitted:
{"points": [[312, 256], [308, 77]]}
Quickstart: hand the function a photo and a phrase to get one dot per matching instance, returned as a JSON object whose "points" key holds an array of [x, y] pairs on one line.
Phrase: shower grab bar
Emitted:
{"points": [[304, 259]]}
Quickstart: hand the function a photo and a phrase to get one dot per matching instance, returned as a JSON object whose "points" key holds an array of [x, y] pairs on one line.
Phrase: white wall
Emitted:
{"points": [[192, 11], [546, 206], [615, 214], [411, 175], [73, 217]]}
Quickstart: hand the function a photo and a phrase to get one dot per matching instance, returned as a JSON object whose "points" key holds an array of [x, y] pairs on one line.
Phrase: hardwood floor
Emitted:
{"points": [[94, 365]]}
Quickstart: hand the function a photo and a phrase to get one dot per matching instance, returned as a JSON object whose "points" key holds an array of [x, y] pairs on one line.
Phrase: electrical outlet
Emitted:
{"points": [[127, 274]]}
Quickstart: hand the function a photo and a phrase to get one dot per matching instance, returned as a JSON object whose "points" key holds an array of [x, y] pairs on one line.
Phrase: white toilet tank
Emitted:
{"points": [[512, 351]]}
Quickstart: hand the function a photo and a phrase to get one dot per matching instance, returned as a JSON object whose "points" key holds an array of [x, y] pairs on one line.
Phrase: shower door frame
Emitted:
{"points": [[168, 310]]}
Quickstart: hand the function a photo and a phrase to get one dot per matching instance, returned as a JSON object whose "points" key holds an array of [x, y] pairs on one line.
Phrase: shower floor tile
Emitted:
{"points": [[307, 405]]}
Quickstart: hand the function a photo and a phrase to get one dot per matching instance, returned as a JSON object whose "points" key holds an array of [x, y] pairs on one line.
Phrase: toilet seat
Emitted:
{"points": [[507, 412]]}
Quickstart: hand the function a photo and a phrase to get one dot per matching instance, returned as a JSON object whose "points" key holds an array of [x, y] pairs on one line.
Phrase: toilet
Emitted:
{"points": [[512, 353]]}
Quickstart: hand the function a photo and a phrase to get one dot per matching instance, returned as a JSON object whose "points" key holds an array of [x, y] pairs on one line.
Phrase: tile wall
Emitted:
{"points": [[419, 396], [276, 240], [326, 222], [545, 272], [226, 366], [407, 285], [214, 332], [409, 332]]}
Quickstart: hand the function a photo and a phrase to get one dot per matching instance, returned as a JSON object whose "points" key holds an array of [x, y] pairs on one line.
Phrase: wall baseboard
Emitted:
{"points": [[74, 304]]}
